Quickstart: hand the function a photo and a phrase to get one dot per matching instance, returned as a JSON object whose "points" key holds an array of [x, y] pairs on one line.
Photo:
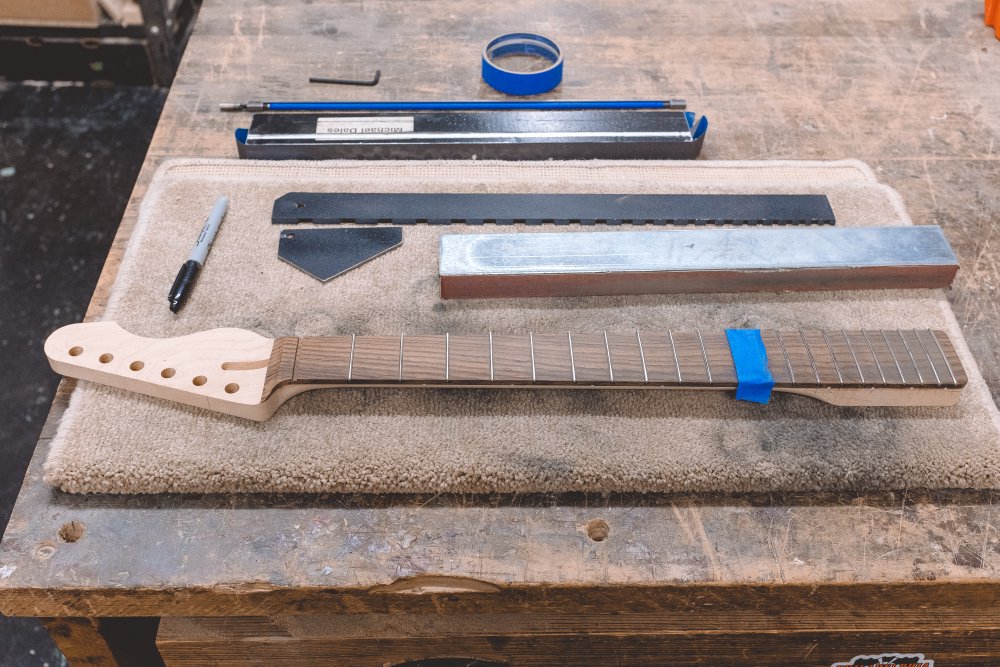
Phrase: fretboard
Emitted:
{"points": [[698, 359]]}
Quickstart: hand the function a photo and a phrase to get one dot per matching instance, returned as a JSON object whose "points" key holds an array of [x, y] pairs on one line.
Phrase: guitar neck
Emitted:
{"points": [[240, 373], [797, 359]]}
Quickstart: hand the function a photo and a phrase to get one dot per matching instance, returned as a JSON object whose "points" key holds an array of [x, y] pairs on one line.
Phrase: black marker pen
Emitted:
{"points": [[189, 270]]}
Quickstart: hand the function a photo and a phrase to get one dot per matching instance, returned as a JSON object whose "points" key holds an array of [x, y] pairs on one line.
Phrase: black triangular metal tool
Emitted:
{"points": [[326, 253]]}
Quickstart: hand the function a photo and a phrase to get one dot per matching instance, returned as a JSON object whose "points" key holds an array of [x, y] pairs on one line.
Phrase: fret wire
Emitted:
{"points": [[788, 362], [531, 345], [836, 364], [916, 334], [945, 357], [677, 360], [491, 356], [642, 357], [704, 353], [447, 359], [400, 357], [611, 371], [851, 348], [812, 362], [572, 360], [893, 355], [874, 356], [350, 363], [920, 378]]}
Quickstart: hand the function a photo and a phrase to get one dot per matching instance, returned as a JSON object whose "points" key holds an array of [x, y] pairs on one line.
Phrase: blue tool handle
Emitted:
{"points": [[474, 105]]}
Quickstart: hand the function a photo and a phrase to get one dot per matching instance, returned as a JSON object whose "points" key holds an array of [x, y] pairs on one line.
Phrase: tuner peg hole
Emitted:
{"points": [[167, 373], [232, 388], [136, 366], [106, 358], [75, 351], [199, 380]]}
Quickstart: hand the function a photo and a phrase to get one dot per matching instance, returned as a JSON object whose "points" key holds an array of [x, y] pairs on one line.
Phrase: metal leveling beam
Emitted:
{"points": [[601, 263]]}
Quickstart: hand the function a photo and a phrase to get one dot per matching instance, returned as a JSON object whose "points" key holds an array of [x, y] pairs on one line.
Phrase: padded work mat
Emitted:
{"points": [[415, 440]]}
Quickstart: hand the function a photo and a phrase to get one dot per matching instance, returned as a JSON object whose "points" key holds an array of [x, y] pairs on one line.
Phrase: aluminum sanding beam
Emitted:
{"points": [[694, 261]]}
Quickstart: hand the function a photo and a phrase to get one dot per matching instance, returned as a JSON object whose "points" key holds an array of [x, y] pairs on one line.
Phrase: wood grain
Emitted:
{"points": [[512, 358], [281, 366], [627, 358], [723, 650], [659, 353], [458, 286], [469, 359], [81, 642], [425, 358], [682, 638], [553, 361], [590, 358], [376, 359], [322, 359]]}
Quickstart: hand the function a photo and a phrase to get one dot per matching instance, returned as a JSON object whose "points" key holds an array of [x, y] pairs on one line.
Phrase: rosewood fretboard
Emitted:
{"points": [[797, 360]]}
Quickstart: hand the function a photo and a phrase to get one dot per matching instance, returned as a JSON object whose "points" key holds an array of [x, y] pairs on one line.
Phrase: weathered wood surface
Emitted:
{"points": [[908, 87], [680, 638]]}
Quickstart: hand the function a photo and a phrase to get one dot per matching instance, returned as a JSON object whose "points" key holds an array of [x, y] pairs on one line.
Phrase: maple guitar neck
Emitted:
{"points": [[240, 373]]}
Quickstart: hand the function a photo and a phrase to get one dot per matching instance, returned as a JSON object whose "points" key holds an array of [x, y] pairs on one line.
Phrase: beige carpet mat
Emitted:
{"points": [[397, 440]]}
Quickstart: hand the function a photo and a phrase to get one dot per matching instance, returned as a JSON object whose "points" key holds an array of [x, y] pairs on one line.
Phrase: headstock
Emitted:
{"points": [[222, 369]]}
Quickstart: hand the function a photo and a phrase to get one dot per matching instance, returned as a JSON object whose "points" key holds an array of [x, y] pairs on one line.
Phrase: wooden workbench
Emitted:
{"points": [[909, 87]]}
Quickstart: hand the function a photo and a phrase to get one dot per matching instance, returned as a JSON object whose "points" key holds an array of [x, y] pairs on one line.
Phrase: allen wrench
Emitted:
{"points": [[348, 82]]}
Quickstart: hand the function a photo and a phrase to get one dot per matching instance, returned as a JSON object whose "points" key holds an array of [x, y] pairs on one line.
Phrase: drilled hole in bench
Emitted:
{"points": [[136, 365], [168, 373], [106, 358], [598, 530], [75, 351], [199, 381], [72, 531], [232, 388]]}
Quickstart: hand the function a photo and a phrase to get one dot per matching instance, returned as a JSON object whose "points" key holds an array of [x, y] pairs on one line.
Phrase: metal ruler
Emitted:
{"points": [[533, 209]]}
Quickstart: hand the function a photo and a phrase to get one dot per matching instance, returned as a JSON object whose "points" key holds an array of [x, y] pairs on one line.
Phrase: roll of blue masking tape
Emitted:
{"points": [[522, 83]]}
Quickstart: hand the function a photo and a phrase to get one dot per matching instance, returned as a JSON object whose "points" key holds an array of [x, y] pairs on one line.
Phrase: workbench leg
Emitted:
{"points": [[106, 642], [158, 21], [81, 641]]}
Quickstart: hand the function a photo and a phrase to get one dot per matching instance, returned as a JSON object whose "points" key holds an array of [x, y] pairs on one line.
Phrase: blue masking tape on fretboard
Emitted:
{"points": [[753, 379]]}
